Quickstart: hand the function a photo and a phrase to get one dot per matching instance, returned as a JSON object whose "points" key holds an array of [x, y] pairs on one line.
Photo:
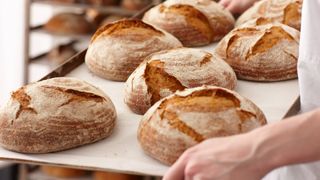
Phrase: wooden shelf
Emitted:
{"points": [[104, 9]]}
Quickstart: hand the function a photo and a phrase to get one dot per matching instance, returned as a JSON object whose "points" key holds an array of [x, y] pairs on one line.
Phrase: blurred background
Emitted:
{"points": [[36, 36]]}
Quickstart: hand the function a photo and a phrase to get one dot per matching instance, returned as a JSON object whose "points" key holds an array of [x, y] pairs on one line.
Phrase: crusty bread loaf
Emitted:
{"points": [[54, 115], [135, 4], [166, 72], [261, 53], [193, 22], [62, 172], [116, 49], [186, 118], [68, 23], [283, 11]]}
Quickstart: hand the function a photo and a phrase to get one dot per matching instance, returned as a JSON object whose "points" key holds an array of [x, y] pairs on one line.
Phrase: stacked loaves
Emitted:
{"points": [[193, 22]]}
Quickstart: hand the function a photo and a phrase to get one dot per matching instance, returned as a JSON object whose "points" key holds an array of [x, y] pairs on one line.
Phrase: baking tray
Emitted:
{"points": [[121, 152]]}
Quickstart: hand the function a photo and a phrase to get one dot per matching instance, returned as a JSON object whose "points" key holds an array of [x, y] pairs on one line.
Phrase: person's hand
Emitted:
{"points": [[224, 158], [237, 6]]}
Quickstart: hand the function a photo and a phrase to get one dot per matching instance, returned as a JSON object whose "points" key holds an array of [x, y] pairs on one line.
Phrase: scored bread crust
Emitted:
{"points": [[283, 11], [116, 49], [54, 115], [164, 72], [68, 23], [193, 22], [188, 117], [261, 52]]}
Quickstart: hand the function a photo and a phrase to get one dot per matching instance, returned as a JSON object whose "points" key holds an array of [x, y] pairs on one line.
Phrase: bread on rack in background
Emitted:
{"points": [[55, 115], [65, 1], [111, 18], [135, 4], [283, 11], [102, 2], [165, 72], [261, 52], [63, 172], [99, 175], [118, 48], [61, 53], [189, 117], [193, 22], [69, 24], [95, 16]]}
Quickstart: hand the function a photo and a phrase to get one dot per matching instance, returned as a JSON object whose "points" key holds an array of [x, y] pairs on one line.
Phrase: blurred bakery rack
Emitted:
{"points": [[62, 45]]}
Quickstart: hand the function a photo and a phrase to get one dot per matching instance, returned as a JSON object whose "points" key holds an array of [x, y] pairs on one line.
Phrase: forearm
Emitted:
{"points": [[291, 141]]}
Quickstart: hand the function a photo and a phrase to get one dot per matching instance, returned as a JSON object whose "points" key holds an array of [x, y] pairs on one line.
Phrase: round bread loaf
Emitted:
{"points": [[189, 117], [54, 115], [117, 49], [283, 11], [68, 23], [261, 53], [193, 22], [165, 72]]}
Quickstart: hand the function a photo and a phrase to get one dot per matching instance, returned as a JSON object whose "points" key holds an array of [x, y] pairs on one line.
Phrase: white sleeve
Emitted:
{"points": [[309, 56]]}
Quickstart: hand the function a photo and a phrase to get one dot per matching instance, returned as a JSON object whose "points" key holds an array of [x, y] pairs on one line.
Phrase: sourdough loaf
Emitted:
{"points": [[165, 72], [186, 118], [283, 11], [116, 49], [193, 22], [54, 115], [261, 53], [68, 23]]}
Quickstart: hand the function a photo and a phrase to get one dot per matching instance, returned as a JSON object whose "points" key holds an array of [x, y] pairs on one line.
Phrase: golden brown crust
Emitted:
{"points": [[189, 117], [69, 113], [196, 21], [292, 15], [193, 22], [283, 11], [24, 101], [156, 77], [68, 23], [116, 27], [118, 48], [165, 72], [261, 53], [269, 39]]}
